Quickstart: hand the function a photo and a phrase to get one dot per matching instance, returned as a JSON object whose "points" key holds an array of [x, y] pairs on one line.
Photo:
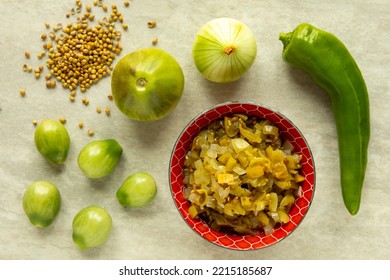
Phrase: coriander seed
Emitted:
{"points": [[152, 24], [91, 132], [85, 101]]}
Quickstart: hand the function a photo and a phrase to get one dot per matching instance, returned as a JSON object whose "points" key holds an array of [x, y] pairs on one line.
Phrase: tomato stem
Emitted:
{"points": [[141, 83]]}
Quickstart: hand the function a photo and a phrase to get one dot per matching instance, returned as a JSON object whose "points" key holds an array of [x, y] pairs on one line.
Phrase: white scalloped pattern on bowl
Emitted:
{"points": [[287, 131]]}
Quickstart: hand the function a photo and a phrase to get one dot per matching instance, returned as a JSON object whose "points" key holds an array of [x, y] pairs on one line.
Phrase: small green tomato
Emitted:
{"points": [[52, 141], [91, 227], [138, 190], [41, 203], [99, 158]]}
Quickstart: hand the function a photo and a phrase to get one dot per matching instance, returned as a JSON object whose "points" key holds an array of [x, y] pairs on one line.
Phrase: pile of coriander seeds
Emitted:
{"points": [[80, 53]]}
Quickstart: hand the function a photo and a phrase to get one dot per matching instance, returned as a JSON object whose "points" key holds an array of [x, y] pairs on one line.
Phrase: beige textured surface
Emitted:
{"points": [[158, 232]]}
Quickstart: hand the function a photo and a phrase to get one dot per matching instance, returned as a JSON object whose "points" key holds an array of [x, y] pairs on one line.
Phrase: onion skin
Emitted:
{"points": [[224, 50]]}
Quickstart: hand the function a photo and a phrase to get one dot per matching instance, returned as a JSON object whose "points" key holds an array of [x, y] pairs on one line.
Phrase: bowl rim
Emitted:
{"points": [[234, 236]]}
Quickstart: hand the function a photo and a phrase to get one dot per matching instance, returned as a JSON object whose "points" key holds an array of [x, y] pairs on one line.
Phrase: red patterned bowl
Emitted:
{"points": [[288, 131]]}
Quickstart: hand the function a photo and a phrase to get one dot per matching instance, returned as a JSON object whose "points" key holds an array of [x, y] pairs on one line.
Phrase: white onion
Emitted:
{"points": [[224, 50]]}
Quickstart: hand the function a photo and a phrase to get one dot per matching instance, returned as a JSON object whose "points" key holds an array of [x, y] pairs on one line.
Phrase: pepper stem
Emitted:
{"points": [[285, 38]]}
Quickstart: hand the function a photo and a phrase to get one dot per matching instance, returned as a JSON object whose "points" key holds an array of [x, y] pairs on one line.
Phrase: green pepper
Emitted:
{"points": [[329, 63]]}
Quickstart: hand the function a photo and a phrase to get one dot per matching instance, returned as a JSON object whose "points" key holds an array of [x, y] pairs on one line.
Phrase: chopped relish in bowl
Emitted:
{"points": [[240, 176]]}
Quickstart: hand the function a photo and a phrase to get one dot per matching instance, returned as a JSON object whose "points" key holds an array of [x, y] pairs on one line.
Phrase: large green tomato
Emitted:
{"points": [[147, 84]]}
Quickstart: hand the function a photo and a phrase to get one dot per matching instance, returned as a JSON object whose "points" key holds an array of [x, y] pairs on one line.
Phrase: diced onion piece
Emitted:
{"points": [[250, 135], [299, 178], [239, 170], [283, 217], [223, 192], [239, 144], [270, 129], [192, 211], [226, 178], [287, 200], [263, 218], [299, 192], [268, 229], [198, 164], [273, 201], [231, 164], [255, 171], [201, 177], [274, 216], [287, 147]]}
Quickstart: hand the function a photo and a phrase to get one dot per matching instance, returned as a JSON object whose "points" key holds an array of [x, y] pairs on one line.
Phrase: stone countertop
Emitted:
{"points": [[157, 231]]}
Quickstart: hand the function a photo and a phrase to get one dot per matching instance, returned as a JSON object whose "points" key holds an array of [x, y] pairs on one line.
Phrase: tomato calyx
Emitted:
{"points": [[141, 83]]}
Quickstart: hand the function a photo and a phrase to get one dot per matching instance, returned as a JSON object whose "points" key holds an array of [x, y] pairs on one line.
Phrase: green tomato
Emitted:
{"points": [[99, 158], [52, 141], [138, 190], [147, 84], [91, 227], [41, 203]]}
